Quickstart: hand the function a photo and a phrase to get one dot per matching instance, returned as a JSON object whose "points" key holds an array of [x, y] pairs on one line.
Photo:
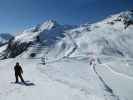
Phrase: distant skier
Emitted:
{"points": [[92, 62], [44, 60], [18, 72]]}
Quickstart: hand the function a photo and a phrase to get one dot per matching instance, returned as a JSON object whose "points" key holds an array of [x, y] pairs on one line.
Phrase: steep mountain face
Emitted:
{"points": [[45, 34], [4, 38], [111, 37]]}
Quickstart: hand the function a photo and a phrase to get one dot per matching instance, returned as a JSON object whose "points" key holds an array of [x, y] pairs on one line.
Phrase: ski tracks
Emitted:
{"points": [[108, 92], [105, 86]]}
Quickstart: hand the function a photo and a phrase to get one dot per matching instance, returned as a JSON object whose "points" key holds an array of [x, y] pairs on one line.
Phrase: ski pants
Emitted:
{"points": [[19, 76]]}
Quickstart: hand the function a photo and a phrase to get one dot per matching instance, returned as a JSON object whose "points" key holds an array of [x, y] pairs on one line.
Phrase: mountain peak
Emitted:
{"points": [[126, 14], [46, 25], [123, 16], [49, 24]]}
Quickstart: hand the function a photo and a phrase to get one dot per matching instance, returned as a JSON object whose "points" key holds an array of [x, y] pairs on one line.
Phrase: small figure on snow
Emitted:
{"points": [[92, 62], [43, 60], [18, 72]]}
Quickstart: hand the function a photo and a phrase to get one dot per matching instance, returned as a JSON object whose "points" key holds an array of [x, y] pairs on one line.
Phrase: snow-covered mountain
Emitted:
{"points": [[45, 34], [68, 73], [4, 38], [112, 37]]}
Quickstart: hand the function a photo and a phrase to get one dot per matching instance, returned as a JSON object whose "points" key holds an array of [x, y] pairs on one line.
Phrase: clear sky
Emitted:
{"points": [[17, 15]]}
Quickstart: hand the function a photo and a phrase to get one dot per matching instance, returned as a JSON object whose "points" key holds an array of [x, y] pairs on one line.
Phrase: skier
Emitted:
{"points": [[92, 61], [18, 72], [43, 60]]}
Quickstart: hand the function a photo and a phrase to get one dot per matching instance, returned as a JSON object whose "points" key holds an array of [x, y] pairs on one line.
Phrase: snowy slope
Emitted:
{"points": [[106, 39], [112, 37], [46, 34], [118, 75], [66, 79], [48, 30], [68, 51]]}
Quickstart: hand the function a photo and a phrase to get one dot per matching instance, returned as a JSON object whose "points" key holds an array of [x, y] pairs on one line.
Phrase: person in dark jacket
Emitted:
{"points": [[18, 72]]}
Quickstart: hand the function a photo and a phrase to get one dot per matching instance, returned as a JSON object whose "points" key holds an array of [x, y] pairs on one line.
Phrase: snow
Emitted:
{"points": [[68, 51], [2, 48], [45, 87], [101, 38], [45, 30], [66, 79], [120, 82], [49, 25]]}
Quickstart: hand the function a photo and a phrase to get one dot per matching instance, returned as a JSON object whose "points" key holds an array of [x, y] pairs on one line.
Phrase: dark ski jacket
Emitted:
{"points": [[18, 70]]}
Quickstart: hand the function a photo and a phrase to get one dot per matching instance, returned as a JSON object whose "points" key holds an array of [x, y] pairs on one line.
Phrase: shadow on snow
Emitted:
{"points": [[27, 83]]}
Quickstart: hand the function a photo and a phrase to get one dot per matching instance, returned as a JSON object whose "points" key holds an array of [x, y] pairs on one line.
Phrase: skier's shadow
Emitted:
{"points": [[27, 83]]}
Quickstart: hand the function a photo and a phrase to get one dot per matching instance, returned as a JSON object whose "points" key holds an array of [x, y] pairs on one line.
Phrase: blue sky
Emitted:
{"points": [[17, 15]]}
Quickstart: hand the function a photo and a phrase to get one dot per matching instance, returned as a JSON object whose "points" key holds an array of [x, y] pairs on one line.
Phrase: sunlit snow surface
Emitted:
{"points": [[68, 74], [67, 79]]}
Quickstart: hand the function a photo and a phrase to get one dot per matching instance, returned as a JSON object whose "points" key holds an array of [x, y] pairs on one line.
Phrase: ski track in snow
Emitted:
{"points": [[86, 91], [107, 88], [64, 78], [117, 73], [74, 44], [20, 90], [67, 83], [60, 75]]}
